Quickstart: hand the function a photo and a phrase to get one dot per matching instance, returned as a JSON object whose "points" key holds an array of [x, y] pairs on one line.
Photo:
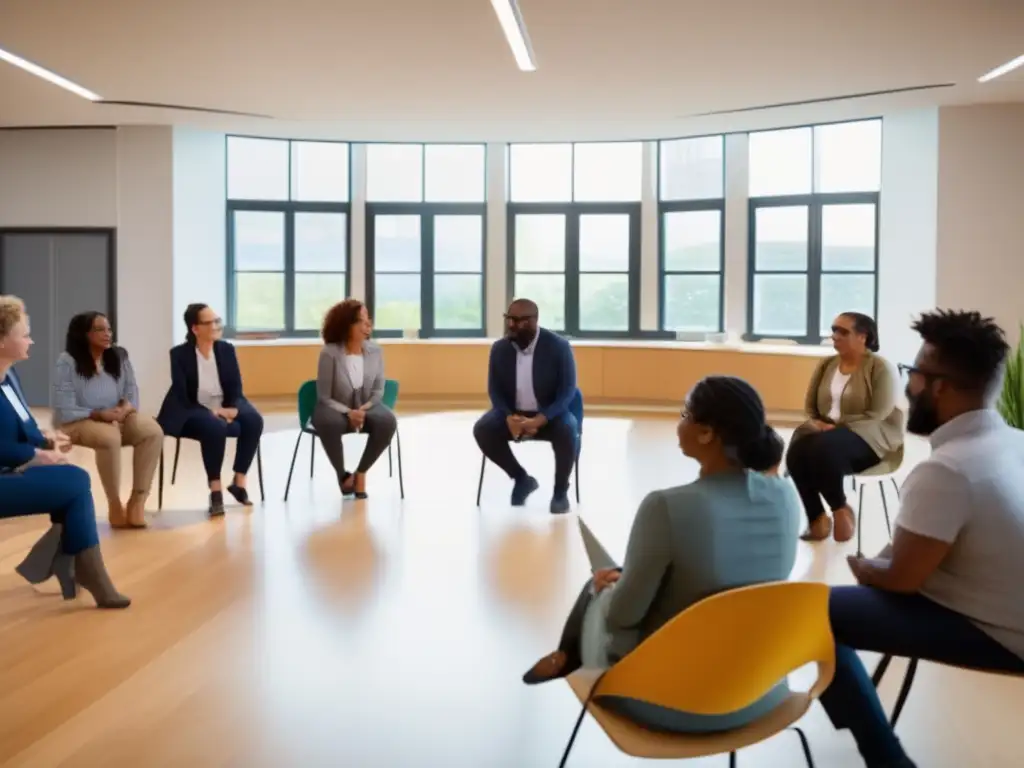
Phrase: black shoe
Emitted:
{"points": [[560, 504], [548, 668], [523, 488], [216, 504], [345, 477], [241, 495]]}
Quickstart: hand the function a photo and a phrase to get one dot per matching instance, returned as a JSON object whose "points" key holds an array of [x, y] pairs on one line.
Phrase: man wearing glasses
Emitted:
{"points": [[531, 382], [948, 588]]}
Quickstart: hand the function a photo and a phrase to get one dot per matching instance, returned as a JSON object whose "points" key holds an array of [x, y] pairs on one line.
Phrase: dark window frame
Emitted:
{"points": [[427, 213], [288, 208], [572, 212], [814, 203]]}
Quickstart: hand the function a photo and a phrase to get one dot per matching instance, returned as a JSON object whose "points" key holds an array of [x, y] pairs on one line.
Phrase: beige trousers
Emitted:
{"points": [[138, 431]]}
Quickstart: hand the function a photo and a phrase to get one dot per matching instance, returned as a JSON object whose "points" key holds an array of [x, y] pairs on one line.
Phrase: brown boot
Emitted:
{"points": [[819, 530], [116, 514], [136, 510], [846, 524], [91, 574]]}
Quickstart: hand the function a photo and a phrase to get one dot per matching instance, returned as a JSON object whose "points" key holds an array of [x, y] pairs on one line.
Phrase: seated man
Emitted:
{"points": [[948, 587], [531, 380]]}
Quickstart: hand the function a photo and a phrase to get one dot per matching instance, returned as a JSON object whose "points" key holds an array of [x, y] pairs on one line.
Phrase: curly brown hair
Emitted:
{"points": [[339, 320]]}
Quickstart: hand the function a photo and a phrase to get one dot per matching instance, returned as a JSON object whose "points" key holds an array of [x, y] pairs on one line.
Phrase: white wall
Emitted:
{"points": [[145, 255], [65, 178], [199, 222], [907, 228], [980, 262]]}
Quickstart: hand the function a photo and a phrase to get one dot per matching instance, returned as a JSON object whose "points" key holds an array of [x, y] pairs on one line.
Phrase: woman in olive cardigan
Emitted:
{"points": [[852, 425]]}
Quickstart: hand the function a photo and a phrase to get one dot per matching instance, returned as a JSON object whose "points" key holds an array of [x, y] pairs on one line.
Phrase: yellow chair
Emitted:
{"points": [[717, 657]]}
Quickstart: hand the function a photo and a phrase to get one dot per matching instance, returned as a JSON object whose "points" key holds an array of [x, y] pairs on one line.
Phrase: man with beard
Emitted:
{"points": [[948, 587], [531, 381]]}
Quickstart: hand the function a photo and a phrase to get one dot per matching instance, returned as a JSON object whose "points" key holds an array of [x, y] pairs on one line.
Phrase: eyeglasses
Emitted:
{"points": [[906, 370], [518, 318], [216, 322]]}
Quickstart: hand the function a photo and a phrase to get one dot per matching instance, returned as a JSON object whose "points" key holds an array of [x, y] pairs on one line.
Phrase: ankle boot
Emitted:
{"points": [[37, 566], [91, 574]]}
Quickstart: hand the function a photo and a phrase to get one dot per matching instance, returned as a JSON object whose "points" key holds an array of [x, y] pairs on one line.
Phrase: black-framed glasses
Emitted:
{"points": [[518, 318], [906, 370], [216, 322]]}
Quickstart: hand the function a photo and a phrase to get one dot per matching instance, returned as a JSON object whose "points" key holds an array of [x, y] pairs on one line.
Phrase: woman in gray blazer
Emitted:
{"points": [[349, 388]]}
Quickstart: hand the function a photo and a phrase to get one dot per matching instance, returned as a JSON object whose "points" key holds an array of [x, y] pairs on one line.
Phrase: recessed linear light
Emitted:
{"points": [[51, 77], [512, 25], [1002, 70]]}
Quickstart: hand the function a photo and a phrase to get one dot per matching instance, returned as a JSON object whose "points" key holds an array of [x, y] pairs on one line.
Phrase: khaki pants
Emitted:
{"points": [[138, 431]]}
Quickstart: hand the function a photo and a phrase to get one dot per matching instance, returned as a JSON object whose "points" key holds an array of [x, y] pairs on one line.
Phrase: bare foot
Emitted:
{"points": [[116, 514], [136, 511], [819, 530], [359, 482], [846, 524]]}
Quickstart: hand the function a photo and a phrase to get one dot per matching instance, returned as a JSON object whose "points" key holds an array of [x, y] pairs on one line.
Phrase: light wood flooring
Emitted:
{"points": [[381, 633]]}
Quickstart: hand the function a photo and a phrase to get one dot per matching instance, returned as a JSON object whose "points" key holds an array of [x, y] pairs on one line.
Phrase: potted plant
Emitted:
{"points": [[1011, 399]]}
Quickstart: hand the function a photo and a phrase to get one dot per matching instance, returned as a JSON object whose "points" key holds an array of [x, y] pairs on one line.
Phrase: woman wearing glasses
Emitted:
{"points": [[205, 403], [852, 425]]}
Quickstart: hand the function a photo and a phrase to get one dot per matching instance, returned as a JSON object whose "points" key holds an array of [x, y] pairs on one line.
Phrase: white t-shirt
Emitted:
{"points": [[839, 382], [526, 398], [970, 493], [209, 394], [354, 364]]}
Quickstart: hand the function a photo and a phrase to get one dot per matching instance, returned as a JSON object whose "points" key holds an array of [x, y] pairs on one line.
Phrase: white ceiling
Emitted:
{"points": [[441, 70]]}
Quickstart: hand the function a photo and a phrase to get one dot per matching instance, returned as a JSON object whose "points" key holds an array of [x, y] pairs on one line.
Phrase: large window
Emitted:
{"points": [[691, 213], [814, 196], [574, 234], [425, 235], [287, 231]]}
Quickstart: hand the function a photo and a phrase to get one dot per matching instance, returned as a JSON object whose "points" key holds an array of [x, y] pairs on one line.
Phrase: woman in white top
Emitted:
{"points": [[852, 425], [349, 388], [205, 403]]}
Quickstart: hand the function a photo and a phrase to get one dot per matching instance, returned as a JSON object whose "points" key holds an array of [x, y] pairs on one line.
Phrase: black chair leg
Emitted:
{"points": [[259, 471], [398, 445], [576, 471], [295, 455], [391, 472], [174, 469], [885, 508], [572, 738], [860, 517], [732, 760], [901, 699], [312, 456], [805, 745], [896, 486], [160, 483], [880, 670], [480, 485]]}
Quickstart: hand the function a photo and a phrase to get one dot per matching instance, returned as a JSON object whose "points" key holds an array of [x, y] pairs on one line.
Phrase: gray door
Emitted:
{"points": [[58, 275]]}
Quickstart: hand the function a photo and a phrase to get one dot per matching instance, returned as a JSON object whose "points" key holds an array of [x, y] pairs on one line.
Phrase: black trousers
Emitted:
{"points": [[819, 461], [213, 432], [493, 437]]}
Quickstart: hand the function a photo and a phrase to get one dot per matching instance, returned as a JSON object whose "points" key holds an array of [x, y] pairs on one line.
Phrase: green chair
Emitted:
{"points": [[307, 402]]}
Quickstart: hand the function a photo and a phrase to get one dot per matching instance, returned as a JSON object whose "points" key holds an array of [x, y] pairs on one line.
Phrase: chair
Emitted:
{"points": [[307, 402], [174, 470], [716, 657], [879, 473], [908, 680], [576, 409]]}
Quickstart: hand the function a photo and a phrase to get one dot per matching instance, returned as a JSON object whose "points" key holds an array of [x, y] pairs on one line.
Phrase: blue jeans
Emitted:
{"points": [[911, 626], [63, 492]]}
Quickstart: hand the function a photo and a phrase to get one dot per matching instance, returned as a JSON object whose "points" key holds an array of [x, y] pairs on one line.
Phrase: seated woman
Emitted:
{"points": [[35, 479], [96, 403], [734, 526], [205, 403], [852, 425], [349, 388]]}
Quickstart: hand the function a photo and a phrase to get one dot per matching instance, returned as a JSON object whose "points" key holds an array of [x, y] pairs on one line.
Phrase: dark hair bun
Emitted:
{"points": [[763, 452]]}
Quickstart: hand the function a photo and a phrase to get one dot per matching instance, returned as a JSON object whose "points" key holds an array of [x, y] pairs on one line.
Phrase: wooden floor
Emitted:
{"points": [[380, 633]]}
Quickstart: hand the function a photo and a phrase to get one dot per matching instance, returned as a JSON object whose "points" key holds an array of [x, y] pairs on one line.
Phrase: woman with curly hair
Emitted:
{"points": [[349, 388], [96, 401]]}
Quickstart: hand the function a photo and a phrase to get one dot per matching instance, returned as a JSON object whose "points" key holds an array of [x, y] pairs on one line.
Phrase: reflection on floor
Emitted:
{"points": [[380, 633]]}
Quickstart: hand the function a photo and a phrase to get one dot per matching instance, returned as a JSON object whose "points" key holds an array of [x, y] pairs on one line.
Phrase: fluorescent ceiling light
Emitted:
{"points": [[51, 77], [1002, 70], [515, 32]]}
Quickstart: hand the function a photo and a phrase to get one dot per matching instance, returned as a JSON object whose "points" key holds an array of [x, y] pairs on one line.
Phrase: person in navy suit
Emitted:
{"points": [[205, 403], [531, 381], [35, 479]]}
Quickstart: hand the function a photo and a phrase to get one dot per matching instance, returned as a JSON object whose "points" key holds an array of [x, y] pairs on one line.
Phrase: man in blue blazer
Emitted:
{"points": [[531, 381]]}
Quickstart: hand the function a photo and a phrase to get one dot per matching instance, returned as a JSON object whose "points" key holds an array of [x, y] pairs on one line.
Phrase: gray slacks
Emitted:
{"points": [[330, 425]]}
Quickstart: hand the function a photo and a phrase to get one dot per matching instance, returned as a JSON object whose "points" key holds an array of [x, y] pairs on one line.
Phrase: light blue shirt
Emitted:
{"points": [[75, 397], [526, 398]]}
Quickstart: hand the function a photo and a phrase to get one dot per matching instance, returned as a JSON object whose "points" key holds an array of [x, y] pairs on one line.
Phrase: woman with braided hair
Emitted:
{"points": [[735, 525]]}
